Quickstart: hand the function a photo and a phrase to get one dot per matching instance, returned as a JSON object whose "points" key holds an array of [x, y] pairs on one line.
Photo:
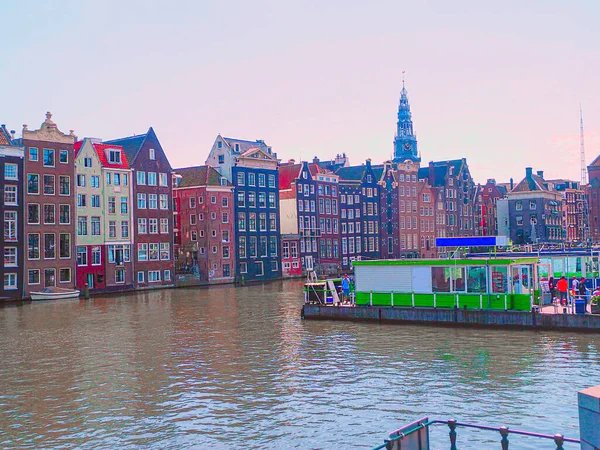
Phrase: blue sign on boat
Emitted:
{"points": [[473, 241]]}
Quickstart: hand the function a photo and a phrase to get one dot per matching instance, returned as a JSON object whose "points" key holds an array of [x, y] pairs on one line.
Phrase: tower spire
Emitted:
{"points": [[582, 148], [405, 142]]}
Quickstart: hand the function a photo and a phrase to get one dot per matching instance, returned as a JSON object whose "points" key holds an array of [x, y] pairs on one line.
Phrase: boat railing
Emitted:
{"points": [[416, 435]]}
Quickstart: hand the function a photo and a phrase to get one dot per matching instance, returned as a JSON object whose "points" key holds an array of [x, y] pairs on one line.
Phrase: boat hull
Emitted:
{"points": [[37, 296]]}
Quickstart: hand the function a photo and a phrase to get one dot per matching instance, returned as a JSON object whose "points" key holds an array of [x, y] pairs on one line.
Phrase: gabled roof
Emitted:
{"points": [[5, 136], [595, 162], [530, 183], [357, 173], [243, 144], [100, 149], [287, 174], [199, 176], [440, 169], [131, 145], [256, 152]]}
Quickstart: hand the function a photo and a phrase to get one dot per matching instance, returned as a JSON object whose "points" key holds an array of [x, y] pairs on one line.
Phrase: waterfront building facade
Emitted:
{"points": [[204, 224], [575, 210], [104, 217], [486, 207], [534, 211], [360, 217], [49, 227], [152, 213], [408, 209], [291, 265], [593, 199], [390, 219], [426, 196], [12, 185]]}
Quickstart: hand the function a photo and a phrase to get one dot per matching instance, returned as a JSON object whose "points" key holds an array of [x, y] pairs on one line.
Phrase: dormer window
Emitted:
{"points": [[221, 159], [152, 154], [219, 144], [114, 156], [237, 147], [223, 181]]}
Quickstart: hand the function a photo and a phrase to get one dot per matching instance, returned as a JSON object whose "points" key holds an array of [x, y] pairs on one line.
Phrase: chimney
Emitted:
{"points": [[291, 161], [12, 134], [368, 162], [528, 172], [511, 184], [540, 173], [315, 160]]}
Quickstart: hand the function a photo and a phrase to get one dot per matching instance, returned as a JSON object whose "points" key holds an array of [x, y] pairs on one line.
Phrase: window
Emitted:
{"points": [[271, 181], [81, 200], [142, 252], [243, 267], [164, 226], [141, 201], [33, 213], [165, 251], [64, 185], [96, 256], [49, 185], [10, 225], [241, 199], [10, 281], [120, 276], [125, 179], [33, 276], [532, 205], [153, 226], [259, 268], [261, 200], [49, 246], [10, 256], [153, 252], [80, 180], [10, 172], [117, 179], [153, 276], [112, 229], [224, 202], [213, 215], [162, 179], [82, 256], [112, 205], [193, 235], [152, 201], [192, 202], [519, 206], [82, 226], [87, 162], [33, 183], [48, 157], [164, 201], [213, 199], [95, 201], [167, 275], [95, 181], [142, 226], [241, 179], [33, 246], [476, 280], [225, 217], [252, 199], [34, 156], [251, 179], [49, 218], [261, 180], [124, 206], [152, 154], [64, 275], [140, 277], [125, 229], [141, 179], [273, 222], [151, 178], [273, 245], [64, 246], [114, 156], [10, 195], [241, 221], [63, 156]]}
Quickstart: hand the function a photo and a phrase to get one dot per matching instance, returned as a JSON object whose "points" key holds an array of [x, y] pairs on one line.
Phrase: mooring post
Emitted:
{"points": [[504, 440], [392, 298], [589, 417], [434, 300], [413, 299], [452, 426], [559, 440], [371, 298], [86, 291], [480, 301]]}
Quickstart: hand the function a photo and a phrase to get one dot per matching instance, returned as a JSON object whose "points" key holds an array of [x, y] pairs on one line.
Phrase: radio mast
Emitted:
{"points": [[582, 149]]}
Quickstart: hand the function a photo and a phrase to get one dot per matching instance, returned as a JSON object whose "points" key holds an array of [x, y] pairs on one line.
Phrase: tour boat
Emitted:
{"points": [[55, 293]]}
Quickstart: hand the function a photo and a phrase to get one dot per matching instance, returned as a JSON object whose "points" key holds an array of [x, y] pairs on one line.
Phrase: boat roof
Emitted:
{"points": [[447, 262]]}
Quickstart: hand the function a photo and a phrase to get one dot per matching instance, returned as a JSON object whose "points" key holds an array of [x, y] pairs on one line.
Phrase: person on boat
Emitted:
{"points": [[582, 289], [563, 287], [345, 288], [575, 286], [551, 288]]}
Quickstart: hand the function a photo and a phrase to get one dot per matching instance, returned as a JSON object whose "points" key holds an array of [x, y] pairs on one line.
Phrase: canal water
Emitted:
{"points": [[238, 368]]}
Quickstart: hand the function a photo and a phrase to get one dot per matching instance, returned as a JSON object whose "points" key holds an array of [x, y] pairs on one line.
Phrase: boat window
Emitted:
{"points": [[440, 279], [521, 279], [476, 280], [458, 279], [558, 267], [499, 280]]}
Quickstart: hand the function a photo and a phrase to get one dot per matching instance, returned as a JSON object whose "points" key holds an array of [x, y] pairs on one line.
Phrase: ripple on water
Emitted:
{"points": [[237, 367]]}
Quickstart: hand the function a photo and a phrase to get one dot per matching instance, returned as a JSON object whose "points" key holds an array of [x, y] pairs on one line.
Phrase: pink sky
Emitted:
{"points": [[498, 84]]}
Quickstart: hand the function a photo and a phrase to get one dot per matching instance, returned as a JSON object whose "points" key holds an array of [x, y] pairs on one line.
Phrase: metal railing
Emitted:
{"points": [[395, 442]]}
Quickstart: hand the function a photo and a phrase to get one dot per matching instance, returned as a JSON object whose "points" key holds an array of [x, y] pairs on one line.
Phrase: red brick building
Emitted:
{"points": [[204, 224], [152, 210], [49, 207]]}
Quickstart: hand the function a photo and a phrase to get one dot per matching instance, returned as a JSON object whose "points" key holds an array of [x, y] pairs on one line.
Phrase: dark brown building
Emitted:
{"points": [[152, 209], [49, 207], [11, 165]]}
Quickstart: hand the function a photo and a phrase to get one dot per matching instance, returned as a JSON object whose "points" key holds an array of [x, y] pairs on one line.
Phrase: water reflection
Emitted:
{"points": [[198, 368]]}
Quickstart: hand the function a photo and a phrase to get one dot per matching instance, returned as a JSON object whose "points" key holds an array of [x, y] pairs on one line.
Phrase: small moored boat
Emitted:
{"points": [[54, 293]]}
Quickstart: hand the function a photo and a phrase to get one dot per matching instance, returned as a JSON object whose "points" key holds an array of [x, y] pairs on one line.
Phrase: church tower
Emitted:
{"points": [[405, 142]]}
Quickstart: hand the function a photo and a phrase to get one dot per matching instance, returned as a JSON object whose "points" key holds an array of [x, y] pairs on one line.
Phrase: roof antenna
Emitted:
{"points": [[403, 79]]}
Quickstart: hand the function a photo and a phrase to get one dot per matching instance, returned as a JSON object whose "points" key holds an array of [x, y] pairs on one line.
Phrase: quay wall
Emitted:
{"points": [[455, 317]]}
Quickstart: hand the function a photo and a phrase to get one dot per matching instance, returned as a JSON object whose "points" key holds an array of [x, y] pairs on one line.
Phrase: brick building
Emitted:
{"points": [[12, 185], [152, 217], [204, 224], [49, 207]]}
